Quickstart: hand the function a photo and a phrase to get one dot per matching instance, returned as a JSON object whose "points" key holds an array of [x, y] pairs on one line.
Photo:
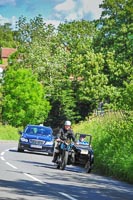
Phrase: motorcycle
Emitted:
{"points": [[64, 153], [79, 154]]}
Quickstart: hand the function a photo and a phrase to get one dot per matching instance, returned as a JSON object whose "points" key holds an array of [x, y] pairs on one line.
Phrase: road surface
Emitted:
{"points": [[32, 176]]}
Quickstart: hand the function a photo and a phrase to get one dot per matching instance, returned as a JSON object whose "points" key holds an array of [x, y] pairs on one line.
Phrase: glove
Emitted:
{"points": [[58, 140]]}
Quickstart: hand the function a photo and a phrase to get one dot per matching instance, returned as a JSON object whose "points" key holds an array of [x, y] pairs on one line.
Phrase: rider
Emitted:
{"points": [[64, 133]]}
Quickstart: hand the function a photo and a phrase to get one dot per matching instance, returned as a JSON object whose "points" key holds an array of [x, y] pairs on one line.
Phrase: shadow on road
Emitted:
{"points": [[66, 181], [26, 189]]}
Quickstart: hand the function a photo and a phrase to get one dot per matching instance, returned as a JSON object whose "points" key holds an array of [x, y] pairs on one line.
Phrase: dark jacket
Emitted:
{"points": [[66, 134]]}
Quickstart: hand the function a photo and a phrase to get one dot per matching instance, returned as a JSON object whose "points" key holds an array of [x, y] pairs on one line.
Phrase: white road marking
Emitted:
{"points": [[7, 149], [2, 153], [34, 178], [66, 195], [2, 158], [11, 165]]}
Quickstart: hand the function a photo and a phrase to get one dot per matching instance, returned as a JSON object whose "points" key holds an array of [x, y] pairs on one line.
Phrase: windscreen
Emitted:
{"points": [[38, 131]]}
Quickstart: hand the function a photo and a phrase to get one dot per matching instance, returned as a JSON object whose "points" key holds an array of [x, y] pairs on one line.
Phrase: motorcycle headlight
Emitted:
{"points": [[24, 139]]}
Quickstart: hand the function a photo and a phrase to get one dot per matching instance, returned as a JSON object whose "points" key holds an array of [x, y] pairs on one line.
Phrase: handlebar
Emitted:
{"points": [[67, 141]]}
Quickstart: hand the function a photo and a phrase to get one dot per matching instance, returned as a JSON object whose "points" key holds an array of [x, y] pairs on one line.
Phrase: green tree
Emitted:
{"points": [[114, 40], [115, 27], [84, 67], [23, 98], [65, 63], [126, 100], [77, 64], [7, 36], [41, 50]]}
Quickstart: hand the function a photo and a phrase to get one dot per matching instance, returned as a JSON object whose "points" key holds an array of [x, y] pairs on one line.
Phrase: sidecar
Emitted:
{"points": [[84, 155]]}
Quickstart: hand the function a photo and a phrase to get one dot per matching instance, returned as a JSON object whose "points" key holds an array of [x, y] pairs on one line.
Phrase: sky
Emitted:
{"points": [[53, 11]]}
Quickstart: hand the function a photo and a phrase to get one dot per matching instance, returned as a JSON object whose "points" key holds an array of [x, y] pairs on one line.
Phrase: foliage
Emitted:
{"points": [[80, 63], [7, 36], [49, 62], [23, 98], [116, 29], [112, 143], [84, 67], [127, 96], [115, 41], [8, 133]]}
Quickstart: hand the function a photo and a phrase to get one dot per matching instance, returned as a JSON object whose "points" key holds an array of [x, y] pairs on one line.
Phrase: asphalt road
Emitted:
{"points": [[26, 176]]}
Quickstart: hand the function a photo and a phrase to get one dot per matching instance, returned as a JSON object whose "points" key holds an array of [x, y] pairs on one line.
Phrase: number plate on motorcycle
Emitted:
{"points": [[84, 151]]}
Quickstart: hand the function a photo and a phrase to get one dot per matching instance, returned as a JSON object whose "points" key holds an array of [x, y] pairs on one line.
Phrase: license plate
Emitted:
{"points": [[84, 151], [36, 146]]}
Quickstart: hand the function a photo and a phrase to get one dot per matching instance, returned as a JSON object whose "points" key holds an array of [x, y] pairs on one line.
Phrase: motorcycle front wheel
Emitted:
{"points": [[64, 159]]}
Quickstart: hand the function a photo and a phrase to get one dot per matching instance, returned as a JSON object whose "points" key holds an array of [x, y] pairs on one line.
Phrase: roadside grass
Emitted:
{"points": [[8, 133], [112, 143]]}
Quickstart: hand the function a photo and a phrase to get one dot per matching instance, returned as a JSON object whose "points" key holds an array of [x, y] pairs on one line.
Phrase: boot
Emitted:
{"points": [[55, 157]]}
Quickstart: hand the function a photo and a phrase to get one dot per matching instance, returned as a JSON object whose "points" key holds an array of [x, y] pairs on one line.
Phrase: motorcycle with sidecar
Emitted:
{"points": [[78, 154]]}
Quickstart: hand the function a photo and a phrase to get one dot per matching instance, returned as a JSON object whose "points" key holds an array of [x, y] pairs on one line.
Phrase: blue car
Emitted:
{"points": [[36, 138]]}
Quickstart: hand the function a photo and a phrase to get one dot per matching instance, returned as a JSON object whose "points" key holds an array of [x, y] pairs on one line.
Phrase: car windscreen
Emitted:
{"points": [[38, 131]]}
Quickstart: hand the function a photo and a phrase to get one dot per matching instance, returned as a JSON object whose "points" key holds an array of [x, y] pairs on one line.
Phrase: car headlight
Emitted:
{"points": [[24, 139], [49, 143]]}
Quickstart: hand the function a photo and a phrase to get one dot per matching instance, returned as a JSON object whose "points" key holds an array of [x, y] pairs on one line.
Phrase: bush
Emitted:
{"points": [[112, 143], [8, 133]]}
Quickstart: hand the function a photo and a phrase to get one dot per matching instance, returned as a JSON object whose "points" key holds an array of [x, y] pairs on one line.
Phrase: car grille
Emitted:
{"points": [[36, 142]]}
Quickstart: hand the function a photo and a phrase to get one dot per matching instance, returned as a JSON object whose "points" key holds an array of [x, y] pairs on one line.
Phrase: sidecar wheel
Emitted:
{"points": [[88, 167], [58, 166]]}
